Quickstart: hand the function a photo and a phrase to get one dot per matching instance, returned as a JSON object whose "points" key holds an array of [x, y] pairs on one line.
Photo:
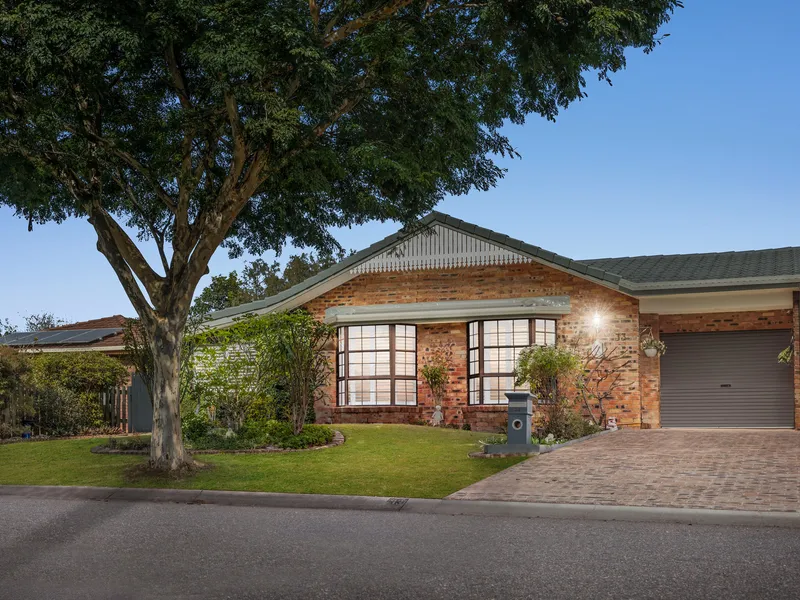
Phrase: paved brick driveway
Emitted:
{"points": [[744, 470]]}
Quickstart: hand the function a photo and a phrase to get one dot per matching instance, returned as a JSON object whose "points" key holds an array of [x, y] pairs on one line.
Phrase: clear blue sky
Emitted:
{"points": [[696, 148]]}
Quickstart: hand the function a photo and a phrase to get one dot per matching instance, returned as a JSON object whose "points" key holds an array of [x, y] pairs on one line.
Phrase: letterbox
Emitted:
{"points": [[520, 411]]}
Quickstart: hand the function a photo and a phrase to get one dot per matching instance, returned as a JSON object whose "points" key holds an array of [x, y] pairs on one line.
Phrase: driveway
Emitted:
{"points": [[725, 469]]}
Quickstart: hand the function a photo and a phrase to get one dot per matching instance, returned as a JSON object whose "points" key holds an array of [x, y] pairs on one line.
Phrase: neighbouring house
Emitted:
{"points": [[724, 318], [97, 335], [129, 406]]}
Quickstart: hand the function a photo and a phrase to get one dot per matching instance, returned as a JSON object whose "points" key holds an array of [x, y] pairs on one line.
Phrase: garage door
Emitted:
{"points": [[730, 379]]}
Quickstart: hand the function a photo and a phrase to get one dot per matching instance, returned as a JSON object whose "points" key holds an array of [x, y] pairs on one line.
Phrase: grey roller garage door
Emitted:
{"points": [[726, 379]]}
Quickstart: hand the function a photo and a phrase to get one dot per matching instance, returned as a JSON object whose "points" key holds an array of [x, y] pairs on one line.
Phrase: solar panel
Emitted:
{"points": [[59, 337], [91, 335]]}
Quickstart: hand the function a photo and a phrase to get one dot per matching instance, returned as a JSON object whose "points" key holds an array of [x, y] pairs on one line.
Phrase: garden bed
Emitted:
{"points": [[538, 448], [338, 440]]}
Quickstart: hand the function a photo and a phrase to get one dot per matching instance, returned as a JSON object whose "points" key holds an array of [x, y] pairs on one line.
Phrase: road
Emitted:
{"points": [[88, 549]]}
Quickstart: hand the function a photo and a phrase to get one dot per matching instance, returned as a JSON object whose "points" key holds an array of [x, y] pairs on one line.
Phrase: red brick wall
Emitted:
{"points": [[650, 377], [796, 332], [733, 321], [620, 327]]}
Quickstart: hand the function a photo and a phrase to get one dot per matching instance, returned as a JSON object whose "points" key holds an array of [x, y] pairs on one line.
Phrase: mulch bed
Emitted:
{"points": [[338, 440]]}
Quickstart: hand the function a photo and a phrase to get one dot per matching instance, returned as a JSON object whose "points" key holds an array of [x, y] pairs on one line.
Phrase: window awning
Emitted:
{"points": [[449, 311]]}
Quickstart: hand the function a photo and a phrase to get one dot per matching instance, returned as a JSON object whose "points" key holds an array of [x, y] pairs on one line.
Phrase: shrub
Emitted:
{"points": [[81, 376], [14, 383], [268, 433], [282, 434], [540, 367], [138, 442], [262, 410], [195, 426], [562, 421], [9, 431], [59, 411]]}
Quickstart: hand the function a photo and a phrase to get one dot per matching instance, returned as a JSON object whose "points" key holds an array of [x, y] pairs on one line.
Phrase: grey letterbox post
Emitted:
{"points": [[520, 411]]}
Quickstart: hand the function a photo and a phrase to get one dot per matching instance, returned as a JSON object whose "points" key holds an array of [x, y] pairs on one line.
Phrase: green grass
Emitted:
{"points": [[376, 460]]}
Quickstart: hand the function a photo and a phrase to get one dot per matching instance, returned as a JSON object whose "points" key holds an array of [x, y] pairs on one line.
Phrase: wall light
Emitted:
{"points": [[597, 320]]}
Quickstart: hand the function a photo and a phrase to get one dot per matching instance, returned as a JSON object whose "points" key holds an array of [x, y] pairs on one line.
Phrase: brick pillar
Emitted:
{"points": [[650, 378], [796, 332]]}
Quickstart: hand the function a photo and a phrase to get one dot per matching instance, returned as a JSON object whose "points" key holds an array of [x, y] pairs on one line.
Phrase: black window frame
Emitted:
{"points": [[343, 367], [479, 376]]}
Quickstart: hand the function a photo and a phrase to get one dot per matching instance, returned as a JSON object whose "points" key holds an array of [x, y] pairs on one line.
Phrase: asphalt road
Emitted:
{"points": [[88, 549]]}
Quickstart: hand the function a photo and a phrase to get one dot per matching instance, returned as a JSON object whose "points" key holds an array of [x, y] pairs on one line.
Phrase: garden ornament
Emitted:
{"points": [[611, 424], [438, 416]]}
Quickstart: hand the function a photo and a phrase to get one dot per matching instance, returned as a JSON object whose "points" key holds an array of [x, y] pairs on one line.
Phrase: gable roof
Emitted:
{"points": [[636, 276]]}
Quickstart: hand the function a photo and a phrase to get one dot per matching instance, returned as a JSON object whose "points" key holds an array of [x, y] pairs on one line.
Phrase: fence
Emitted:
{"points": [[129, 407], [116, 407]]}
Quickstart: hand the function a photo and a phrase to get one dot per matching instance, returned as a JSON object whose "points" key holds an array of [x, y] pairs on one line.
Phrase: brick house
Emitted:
{"points": [[723, 316], [103, 335]]}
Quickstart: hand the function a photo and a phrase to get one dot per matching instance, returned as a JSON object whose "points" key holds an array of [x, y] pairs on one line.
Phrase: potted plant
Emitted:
{"points": [[652, 347]]}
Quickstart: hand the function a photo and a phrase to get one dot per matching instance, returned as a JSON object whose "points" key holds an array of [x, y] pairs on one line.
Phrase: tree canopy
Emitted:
{"points": [[249, 123], [243, 122]]}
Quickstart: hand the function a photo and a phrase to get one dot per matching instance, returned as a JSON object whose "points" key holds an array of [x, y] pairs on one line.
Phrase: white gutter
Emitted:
{"points": [[448, 312]]}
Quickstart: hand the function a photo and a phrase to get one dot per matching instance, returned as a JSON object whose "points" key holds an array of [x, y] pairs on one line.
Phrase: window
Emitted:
{"points": [[377, 365], [494, 348]]}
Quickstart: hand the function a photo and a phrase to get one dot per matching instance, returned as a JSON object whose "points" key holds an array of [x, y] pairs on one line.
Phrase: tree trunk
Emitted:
{"points": [[166, 449]]}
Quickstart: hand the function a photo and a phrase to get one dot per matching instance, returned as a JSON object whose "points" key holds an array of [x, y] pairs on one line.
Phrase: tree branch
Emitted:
{"points": [[368, 18], [158, 235], [110, 230], [131, 161]]}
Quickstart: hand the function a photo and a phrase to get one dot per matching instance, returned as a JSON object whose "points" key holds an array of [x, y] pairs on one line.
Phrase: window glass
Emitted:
{"points": [[493, 350], [377, 365]]}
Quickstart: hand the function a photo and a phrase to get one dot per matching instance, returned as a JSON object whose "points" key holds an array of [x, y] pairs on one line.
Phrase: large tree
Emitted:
{"points": [[247, 123]]}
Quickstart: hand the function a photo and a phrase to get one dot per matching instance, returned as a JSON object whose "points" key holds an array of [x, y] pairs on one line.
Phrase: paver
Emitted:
{"points": [[724, 469]]}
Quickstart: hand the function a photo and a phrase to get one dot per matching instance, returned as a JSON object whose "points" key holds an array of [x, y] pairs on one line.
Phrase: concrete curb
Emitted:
{"points": [[594, 512]]}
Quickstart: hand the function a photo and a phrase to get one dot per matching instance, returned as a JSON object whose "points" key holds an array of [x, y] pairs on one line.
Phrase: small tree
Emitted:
{"points": [[436, 371], [292, 350]]}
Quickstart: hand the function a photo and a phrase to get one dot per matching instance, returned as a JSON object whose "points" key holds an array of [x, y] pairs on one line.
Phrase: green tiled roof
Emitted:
{"points": [[712, 266]]}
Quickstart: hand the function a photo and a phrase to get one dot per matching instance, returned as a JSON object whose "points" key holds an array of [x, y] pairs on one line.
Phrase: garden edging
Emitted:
{"points": [[338, 440]]}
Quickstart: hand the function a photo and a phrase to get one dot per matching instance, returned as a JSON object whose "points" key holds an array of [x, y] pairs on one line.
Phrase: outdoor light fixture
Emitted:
{"points": [[597, 320]]}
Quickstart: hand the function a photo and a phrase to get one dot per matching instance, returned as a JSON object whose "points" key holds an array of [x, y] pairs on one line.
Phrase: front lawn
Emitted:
{"points": [[376, 460]]}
